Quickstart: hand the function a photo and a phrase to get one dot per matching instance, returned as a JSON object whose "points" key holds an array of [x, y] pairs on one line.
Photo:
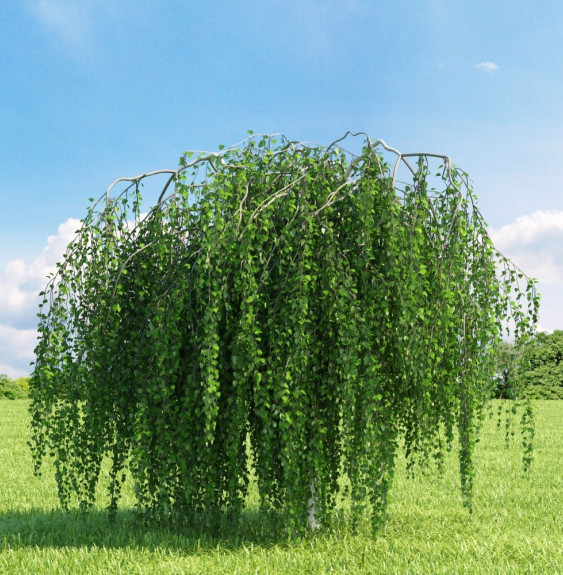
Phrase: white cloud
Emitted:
{"points": [[20, 284], [489, 67], [16, 351], [534, 242]]}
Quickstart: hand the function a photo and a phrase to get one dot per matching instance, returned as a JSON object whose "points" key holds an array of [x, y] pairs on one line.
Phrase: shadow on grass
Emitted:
{"points": [[57, 528]]}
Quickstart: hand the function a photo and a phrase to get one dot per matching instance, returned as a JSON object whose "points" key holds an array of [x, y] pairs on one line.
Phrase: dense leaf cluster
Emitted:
{"points": [[13, 388], [286, 311], [534, 370], [540, 371]]}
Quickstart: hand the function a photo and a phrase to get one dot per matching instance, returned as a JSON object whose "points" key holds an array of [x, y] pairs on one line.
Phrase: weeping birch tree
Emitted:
{"points": [[285, 302]]}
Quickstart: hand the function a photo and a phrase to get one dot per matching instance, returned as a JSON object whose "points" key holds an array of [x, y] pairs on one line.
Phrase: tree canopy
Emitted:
{"points": [[540, 370], [13, 389], [285, 308]]}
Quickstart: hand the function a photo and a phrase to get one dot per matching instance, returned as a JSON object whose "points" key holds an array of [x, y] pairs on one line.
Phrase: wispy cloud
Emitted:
{"points": [[488, 67], [70, 21], [79, 25]]}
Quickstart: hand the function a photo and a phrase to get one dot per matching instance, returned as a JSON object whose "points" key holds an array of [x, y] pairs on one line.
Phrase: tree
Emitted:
{"points": [[10, 389], [541, 368], [286, 300]]}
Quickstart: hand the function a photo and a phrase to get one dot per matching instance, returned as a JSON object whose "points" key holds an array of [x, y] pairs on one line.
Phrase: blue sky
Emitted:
{"points": [[94, 90]]}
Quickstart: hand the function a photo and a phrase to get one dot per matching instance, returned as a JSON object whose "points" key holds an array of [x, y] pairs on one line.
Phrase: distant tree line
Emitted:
{"points": [[13, 388], [535, 370]]}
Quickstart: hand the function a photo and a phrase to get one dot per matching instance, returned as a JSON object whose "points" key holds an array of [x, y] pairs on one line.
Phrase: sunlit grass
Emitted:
{"points": [[516, 526]]}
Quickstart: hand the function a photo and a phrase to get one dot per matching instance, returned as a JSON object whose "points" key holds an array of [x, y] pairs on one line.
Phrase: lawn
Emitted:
{"points": [[516, 526]]}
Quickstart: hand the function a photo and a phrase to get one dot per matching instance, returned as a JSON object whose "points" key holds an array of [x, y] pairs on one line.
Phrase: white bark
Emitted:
{"points": [[312, 518]]}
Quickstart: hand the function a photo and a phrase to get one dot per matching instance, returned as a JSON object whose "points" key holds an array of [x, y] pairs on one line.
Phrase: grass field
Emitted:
{"points": [[516, 527]]}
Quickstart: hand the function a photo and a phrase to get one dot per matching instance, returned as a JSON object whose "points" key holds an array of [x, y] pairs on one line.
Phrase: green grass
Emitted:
{"points": [[516, 526]]}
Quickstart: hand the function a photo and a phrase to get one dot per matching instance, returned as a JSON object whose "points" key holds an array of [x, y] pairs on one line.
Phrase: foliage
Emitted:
{"points": [[541, 369], [534, 370], [287, 301], [23, 382], [13, 389]]}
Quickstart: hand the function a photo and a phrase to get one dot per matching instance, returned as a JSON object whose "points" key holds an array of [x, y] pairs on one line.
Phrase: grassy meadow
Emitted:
{"points": [[516, 526]]}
